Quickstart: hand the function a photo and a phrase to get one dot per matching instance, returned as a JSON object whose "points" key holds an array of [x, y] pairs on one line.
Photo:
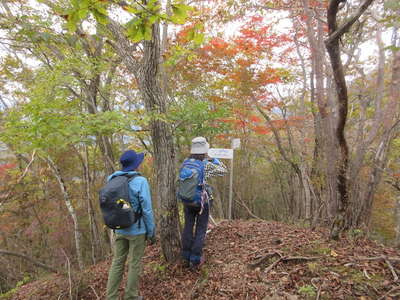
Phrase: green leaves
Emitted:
{"points": [[180, 13], [82, 8], [392, 4], [139, 29], [393, 48], [140, 26], [196, 34], [198, 117]]}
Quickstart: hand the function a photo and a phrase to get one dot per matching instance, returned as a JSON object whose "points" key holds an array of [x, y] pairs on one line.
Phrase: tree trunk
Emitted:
{"points": [[341, 221], [324, 146], [95, 237], [71, 209], [155, 99], [148, 77]]}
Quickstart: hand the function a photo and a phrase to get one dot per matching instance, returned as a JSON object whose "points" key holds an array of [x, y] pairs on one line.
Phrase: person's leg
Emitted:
{"points": [[117, 267], [198, 242], [187, 234], [136, 250]]}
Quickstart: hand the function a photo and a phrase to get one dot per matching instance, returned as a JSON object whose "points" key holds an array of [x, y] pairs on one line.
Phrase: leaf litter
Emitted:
{"points": [[252, 260]]}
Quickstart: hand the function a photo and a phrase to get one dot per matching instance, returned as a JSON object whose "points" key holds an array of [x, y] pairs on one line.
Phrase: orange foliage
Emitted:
{"points": [[255, 119], [261, 130], [222, 136], [216, 99], [5, 167]]}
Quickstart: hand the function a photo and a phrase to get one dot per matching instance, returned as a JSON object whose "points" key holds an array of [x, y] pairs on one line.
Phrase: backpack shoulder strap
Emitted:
{"points": [[130, 178], [198, 164]]}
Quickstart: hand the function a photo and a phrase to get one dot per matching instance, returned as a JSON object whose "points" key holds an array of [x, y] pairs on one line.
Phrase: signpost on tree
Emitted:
{"points": [[227, 154]]}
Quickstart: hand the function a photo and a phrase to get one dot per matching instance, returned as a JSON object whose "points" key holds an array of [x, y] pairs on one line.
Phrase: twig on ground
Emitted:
{"points": [[284, 259], [273, 265], [395, 277], [316, 287], [94, 291], [392, 259], [388, 261], [291, 258], [264, 260], [334, 273], [366, 274], [388, 293], [194, 288]]}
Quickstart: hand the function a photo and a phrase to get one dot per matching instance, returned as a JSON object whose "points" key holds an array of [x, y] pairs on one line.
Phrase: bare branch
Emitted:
{"points": [[346, 26], [30, 259], [20, 178]]}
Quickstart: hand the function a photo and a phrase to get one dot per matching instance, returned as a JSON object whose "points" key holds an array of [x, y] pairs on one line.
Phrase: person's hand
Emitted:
{"points": [[215, 161]]}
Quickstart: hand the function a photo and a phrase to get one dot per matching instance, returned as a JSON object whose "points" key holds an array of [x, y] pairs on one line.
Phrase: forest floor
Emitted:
{"points": [[251, 260]]}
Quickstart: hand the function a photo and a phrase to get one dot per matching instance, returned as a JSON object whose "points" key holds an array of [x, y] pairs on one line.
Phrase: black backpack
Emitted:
{"points": [[115, 205]]}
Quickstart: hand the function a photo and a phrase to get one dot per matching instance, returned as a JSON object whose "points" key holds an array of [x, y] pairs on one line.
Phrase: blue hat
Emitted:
{"points": [[131, 160]]}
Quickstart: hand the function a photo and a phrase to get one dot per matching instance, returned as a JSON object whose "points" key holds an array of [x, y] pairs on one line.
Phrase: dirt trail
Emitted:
{"points": [[253, 260]]}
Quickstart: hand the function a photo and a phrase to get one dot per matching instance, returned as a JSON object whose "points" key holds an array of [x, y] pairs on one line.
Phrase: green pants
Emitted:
{"points": [[124, 245]]}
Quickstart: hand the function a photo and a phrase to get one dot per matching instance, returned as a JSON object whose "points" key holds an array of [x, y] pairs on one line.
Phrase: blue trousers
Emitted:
{"points": [[194, 233]]}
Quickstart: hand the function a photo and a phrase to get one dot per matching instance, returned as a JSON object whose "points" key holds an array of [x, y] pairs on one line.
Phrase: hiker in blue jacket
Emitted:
{"points": [[131, 241], [196, 217]]}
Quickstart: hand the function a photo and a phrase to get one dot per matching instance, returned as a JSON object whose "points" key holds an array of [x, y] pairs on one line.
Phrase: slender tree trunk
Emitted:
{"points": [[389, 127], [71, 209], [95, 239], [363, 143], [324, 151]]}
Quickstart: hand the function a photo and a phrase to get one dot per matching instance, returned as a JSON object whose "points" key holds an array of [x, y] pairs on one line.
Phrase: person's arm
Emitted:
{"points": [[145, 200], [215, 167]]}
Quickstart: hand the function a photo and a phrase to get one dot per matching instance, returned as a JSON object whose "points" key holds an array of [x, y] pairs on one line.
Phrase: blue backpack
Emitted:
{"points": [[191, 182]]}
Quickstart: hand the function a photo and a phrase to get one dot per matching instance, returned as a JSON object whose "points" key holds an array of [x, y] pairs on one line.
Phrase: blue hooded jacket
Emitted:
{"points": [[139, 190]]}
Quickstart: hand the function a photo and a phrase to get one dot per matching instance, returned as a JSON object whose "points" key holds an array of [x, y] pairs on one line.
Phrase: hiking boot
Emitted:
{"points": [[196, 266], [185, 263]]}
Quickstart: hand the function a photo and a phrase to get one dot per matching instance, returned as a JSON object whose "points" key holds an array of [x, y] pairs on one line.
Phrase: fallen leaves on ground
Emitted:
{"points": [[252, 260]]}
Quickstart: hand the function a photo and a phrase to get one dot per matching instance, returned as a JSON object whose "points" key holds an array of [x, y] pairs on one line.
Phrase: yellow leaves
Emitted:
{"points": [[334, 254]]}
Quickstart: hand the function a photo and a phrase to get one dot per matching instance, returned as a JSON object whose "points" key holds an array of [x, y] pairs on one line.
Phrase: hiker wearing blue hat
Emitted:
{"points": [[131, 240], [196, 196]]}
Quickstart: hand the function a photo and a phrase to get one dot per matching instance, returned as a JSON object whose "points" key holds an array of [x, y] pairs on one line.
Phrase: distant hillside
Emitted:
{"points": [[252, 260]]}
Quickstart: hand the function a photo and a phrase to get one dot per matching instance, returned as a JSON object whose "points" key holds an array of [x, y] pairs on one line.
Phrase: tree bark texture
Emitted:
{"points": [[155, 99], [325, 147], [341, 221], [147, 73]]}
